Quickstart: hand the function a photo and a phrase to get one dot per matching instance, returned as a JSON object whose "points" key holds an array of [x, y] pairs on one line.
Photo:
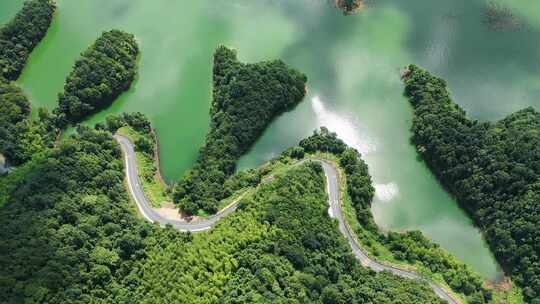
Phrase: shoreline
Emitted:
{"points": [[157, 159]]}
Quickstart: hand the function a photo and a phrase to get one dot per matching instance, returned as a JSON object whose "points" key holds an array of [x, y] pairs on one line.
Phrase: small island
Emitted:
{"points": [[349, 6]]}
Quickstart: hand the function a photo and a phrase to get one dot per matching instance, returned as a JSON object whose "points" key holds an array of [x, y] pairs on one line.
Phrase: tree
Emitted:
{"points": [[491, 168], [246, 98], [105, 70]]}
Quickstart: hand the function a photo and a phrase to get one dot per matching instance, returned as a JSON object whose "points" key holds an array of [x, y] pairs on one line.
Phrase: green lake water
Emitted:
{"points": [[352, 63]]}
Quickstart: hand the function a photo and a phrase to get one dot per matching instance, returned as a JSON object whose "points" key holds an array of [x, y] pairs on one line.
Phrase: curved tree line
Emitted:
{"points": [[20, 136], [70, 205], [246, 98], [22, 34], [102, 73], [493, 169], [105, 70], [69, 236], [412, 246]]}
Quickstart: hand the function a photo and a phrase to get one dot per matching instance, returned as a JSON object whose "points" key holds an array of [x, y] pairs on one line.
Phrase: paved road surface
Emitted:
{"points": [[335, 211], [143, 203]]}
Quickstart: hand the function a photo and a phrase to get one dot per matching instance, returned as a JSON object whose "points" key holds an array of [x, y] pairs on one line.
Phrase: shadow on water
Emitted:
{"points": [[493, 71]]}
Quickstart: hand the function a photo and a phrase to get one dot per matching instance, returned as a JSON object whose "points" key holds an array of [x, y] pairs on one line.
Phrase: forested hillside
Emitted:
{"points": [[279, 247], [410, 247], [22, 34], [104, 71], [492, 168], [20, 136], [246, 98], [69, 236]]}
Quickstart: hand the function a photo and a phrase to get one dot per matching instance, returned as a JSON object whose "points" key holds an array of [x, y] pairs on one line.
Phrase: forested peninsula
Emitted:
{"points": [[493, 169], [70, 233], [22, 34], [103, 72], [246, 98]]}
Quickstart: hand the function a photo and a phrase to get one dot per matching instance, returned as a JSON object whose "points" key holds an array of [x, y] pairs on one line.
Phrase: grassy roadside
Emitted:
{"points": [[380, 252], [153, 186]]}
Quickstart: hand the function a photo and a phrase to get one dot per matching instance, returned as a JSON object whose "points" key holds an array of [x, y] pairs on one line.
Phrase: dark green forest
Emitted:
{"points": [[22, 34], [411, 247], [104, 71], [20, 136], [246, 98], [70, 233], [493, 169], [70, 236]]}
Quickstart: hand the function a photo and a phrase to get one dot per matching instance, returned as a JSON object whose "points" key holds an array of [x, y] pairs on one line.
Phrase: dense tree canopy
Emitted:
{"points": [[349, 5], [22, 34], [67, 233], [279, 247], [323, 141], [246, 98], [492, 168], [103, 72], [21, 137], [14, 106], [411, 247], [69, 236]]}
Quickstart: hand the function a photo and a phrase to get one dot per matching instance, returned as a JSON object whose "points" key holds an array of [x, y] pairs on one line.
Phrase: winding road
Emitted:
{"points": [[335, 211]]}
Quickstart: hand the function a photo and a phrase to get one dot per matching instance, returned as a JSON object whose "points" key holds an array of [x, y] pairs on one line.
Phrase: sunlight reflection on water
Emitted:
{"points": [[352, 133], [386, 192], [348, 129]]}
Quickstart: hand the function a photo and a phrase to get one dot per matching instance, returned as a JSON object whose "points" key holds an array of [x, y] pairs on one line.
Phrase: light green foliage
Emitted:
{"points": [[145, 144]]}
